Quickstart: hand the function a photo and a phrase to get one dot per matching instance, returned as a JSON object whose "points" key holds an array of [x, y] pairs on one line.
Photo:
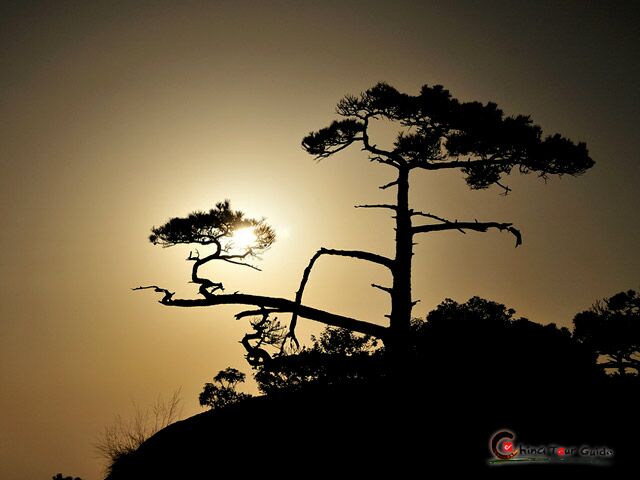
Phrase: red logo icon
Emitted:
{"points": [[507, 446], [561, 451]]}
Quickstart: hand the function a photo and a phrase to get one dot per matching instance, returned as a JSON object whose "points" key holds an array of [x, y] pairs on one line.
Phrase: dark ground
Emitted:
{"points": [[374, 429]]}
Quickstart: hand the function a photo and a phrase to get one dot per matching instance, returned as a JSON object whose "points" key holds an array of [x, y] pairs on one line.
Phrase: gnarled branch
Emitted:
{"points": [[282, 305], [382, 156], [461, 226], [167, 294]]}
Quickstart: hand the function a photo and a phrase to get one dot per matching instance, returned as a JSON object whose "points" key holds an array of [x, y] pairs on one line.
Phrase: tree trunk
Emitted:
{"points": [[401, 304]]}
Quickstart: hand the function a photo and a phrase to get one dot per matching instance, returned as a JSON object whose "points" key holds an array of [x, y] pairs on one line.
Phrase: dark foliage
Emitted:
{"points": [[59, 476], [337, 357], [206, 228], [439, 131], [482, 339], [611, 329], [456, 343]]}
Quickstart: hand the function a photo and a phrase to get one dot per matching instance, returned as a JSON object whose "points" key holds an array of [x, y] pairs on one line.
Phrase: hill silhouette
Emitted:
{"points": [[362, 429], [475, 370]]}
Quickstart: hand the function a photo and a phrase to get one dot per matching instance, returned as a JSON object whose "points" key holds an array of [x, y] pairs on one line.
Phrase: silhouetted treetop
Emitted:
{"points": [[440, 132], [207, 228], [222, 392], [611, 328]]}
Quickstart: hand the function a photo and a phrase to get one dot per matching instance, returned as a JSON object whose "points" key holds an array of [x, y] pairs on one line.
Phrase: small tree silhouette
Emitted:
{"points": [[59, 476], [611, 328], [436, 132], [222, 392]]}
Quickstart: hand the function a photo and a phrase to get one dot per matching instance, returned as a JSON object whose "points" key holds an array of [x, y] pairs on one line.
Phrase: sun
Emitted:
{"points": [[244, 238]]}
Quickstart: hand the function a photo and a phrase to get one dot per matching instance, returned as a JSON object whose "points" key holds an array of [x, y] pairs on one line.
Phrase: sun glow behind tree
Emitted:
{"points": [[243, 238]]}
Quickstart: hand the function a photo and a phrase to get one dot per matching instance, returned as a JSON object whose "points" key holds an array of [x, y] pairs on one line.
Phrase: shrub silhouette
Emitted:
{"points": [[337, 357]]}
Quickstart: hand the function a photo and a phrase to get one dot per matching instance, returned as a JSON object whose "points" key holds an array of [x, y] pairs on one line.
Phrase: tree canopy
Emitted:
{"points": [[440, 131], [611, 327], [213, 227]]}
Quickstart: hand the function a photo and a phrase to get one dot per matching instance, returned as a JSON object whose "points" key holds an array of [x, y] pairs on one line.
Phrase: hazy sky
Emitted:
{"points": [[117, 115]]}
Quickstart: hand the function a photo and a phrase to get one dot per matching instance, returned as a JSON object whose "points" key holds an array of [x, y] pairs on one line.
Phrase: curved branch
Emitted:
{"points": [[256, 355], [207, 287], [391, 158], [461, 226], [371, 257], [282, 305]]}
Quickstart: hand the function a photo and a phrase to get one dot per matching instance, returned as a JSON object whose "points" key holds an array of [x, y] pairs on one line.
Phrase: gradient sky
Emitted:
{"points": [[117, 115]]}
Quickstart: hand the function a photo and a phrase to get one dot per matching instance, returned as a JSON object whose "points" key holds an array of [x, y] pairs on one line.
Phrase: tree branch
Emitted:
{"points": [[390, 157], [388, 185], [167, 294], [476, 226], [282, 305], [253, 313], [435, 217], [371, 257], [391, 207], [329, 151], [461, 164], [506, 188], [228, 260], [384, 289]]}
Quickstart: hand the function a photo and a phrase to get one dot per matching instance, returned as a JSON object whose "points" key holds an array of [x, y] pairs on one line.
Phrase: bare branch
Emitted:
{"points": [[384, 289], [282, 305], [228, 260], [435, 217], [253, 313], [476, 226], [391, 207], [382, 159], [371, 257], [167, 294], [506, 188], [388, 185]]}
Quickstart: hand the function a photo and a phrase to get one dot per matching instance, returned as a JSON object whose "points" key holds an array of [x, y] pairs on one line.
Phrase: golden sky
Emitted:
{"points": [[117, 115]]}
